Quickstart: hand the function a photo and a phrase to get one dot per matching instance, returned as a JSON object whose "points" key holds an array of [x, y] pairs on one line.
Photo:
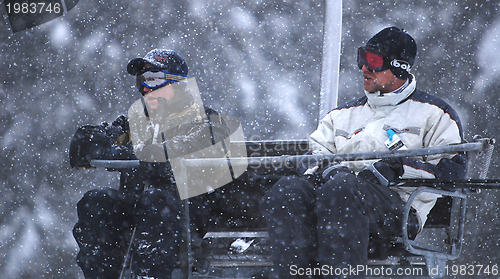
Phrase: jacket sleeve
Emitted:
{"points": [[444, 129], [322, 141]]}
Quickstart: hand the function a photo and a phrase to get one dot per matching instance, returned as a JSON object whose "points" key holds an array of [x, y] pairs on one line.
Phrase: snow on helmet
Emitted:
{"points": [[163, 59]]}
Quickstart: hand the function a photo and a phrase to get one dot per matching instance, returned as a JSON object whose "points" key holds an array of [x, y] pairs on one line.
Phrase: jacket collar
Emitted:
{"points": [[377, 99]]}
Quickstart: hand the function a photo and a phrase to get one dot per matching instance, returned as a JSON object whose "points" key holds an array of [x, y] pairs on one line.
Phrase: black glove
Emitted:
{"points": [[386, 170], [121, 121], [321, 175], [99, 142], [331, 171], [89, 142], [117, 128]]}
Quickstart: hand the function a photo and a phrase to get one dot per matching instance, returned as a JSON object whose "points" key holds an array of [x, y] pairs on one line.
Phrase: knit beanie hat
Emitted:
{"points": [[398, 47]]}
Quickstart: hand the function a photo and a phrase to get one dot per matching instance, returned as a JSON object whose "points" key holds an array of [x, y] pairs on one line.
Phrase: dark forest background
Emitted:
{"points": [[257, 60]]}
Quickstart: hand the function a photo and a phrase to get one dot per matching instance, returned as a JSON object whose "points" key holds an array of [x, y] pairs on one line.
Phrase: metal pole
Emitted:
{"points": [[185, 246], [330, 62], [293, 161], [115, 164], [127, 257], [451, 184]]}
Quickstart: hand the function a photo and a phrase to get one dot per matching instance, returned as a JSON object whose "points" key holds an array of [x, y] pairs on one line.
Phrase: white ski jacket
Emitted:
{"points": [[420, 121]]}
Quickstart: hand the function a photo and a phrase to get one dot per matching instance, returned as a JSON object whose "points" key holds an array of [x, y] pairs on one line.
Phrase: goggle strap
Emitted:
{"points": [[168, 76], [401, 64], [176, 77]]}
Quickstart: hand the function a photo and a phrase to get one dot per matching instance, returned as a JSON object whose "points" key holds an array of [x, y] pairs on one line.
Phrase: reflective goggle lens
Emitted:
{"points": [[154, 79], [373, 61]]}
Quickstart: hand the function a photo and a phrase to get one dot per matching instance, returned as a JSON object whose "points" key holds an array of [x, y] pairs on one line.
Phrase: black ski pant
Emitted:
{"points": [[328, 225], [106, 219]]}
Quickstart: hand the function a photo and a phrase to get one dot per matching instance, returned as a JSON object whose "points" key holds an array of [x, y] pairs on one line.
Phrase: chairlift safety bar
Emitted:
{"points": [[290, 161]]}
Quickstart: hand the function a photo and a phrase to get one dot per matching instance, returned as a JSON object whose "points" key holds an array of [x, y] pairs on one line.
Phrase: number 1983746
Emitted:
{"points": [[33, 8]]}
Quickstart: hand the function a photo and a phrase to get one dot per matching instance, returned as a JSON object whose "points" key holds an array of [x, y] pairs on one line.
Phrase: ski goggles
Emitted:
{"points": [[155, 78], [373, 61], [377, 62]]}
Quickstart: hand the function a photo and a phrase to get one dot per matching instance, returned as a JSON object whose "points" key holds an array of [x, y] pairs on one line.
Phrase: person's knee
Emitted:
{"points": [[104, 193], [102, 217], [340, 183], [97, 262], [286, 192], [96, 200], [156, 203], [340, 190], [287, 188]]}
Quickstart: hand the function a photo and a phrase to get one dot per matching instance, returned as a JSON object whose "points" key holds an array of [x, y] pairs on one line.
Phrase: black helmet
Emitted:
{"points": [[160, 58]]}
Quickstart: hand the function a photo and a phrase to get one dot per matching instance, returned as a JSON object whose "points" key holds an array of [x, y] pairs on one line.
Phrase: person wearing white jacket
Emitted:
{"points": [[324, 217]]}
